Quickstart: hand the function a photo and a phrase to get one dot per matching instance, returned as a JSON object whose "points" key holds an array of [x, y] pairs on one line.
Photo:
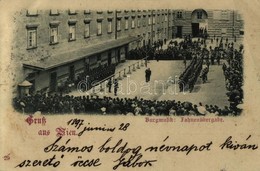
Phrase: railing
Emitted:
{"points": [[119, 75]]}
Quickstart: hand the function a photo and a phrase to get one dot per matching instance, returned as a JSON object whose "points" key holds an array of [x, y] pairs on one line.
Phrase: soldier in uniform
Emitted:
{"points": [[109, 85], [148, 73], [181, 84], [204, 74], [185, 62], [191, 84], [207, 62], [115, 87], [218, 58]]}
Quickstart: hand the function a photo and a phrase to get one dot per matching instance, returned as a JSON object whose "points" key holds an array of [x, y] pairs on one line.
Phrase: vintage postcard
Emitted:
{"points": [[130, 85]]}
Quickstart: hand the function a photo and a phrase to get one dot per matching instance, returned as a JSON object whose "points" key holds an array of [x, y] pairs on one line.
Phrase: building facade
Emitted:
{"points": [[54, 45], [51, 46], [218, 23]]}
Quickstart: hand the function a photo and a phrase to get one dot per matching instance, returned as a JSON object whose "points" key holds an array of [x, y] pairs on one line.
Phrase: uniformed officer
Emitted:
{"points": [[109, 85], [115, 87], [148, 73]]}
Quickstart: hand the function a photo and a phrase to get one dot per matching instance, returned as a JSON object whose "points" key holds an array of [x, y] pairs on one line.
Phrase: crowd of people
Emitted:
{"points": [[141, 52], [233, 72], [107, 105], [190, 74], [186, 49], [189, 49], [232, 69], [174, 51], [90, 78]]}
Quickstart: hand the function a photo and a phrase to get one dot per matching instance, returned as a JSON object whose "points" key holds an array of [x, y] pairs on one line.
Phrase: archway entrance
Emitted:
{"points": [[199, 23], [179, 32]]}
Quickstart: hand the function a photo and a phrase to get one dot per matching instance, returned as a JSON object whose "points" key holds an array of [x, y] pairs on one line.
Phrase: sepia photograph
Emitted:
{"points": [[131, 62], [129, 85]]}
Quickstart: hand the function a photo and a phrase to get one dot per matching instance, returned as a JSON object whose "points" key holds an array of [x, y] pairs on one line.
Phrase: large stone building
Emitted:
{"points": [[51, 46], [221, 23]]}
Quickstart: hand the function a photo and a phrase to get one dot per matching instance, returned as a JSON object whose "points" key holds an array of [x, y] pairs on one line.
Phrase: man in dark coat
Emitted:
{"points": [[109, 85], [115, 87], [148, 73]]}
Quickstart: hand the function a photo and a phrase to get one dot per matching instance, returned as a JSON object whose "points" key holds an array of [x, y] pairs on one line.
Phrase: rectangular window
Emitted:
{"points": [[225, 15], [72, 32], [138, 22], [118, 25], [87, 11], [149, 21], [31, 38], [87, 30], [109, 26], [54, 12], [216, 15], [179, 14], [223, 31], [72, 12], [144, 21], [199, 15], [53, 35], [126, 24], [99, 28], [165, 18], [99, 12], [32, 12], [133, 23], [241, 32]]}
